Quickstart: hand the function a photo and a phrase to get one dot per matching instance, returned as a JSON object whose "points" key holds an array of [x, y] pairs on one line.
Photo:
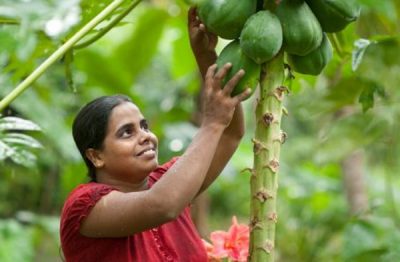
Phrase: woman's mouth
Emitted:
{"points": [[147, 152]]}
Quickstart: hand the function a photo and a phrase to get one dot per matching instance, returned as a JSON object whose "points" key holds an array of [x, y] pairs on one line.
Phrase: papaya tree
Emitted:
{"points": [[270, 41]]}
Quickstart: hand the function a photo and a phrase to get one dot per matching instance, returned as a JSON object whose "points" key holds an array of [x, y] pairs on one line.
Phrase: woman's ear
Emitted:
{"points": [[95, 157]]}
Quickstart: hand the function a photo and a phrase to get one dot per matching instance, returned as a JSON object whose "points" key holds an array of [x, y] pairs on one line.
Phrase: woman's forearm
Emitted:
{"points": [[180, 184], [204, 61]]}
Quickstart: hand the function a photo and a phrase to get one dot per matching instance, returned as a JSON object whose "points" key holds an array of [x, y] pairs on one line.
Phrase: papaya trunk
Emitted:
{"points": [[267, 143]]}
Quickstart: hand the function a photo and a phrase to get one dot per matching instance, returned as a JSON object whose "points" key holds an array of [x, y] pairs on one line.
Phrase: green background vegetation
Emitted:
{"points": [[343, 119]]}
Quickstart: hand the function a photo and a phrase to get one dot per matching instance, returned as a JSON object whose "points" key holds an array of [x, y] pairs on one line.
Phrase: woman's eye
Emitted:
{"points": [[127, 132]]}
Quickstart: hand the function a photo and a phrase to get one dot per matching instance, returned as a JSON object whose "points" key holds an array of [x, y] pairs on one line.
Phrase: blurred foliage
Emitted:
{"points": [[148, 57], [15, 145]]}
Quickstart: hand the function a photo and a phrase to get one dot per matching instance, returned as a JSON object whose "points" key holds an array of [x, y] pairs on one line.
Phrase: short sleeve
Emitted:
{"points": [[78, 205]]}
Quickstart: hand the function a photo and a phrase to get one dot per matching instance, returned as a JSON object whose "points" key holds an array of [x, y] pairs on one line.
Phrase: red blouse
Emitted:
{"points": [[177, 240]]}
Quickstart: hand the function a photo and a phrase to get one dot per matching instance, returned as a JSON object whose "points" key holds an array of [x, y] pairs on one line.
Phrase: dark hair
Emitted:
{"points": [[90, 126]]}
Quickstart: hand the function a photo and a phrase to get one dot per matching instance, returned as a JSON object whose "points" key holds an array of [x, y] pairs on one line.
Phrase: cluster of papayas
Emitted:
{"points": [[297, 27]]}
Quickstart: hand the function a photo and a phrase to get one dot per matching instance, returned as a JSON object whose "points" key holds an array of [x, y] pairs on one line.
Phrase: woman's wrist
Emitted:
{"points": [[206, 55], [214, 127]]}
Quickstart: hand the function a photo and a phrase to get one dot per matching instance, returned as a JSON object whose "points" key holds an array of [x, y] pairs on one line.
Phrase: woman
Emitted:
{"points": [[134, 209]]}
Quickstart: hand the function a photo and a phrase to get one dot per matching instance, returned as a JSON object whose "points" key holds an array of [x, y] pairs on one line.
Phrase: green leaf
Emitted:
{"points": [[23, 157], [5, 150], [21, 140], [367, 95], [16, 123]]}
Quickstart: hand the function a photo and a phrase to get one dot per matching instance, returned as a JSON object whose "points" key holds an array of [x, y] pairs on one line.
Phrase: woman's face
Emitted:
{"points": [[130, 149]]}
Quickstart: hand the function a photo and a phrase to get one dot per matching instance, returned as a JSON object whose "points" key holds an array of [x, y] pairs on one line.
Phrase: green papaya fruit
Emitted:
{"points": [[234, 55], [226, 18], [261, 37], [301, 30], [314, 62], [334, 15]]}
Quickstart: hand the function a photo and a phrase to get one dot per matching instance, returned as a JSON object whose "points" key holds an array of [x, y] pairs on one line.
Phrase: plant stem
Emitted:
{"points": [[109, 26], [59, 53], [267, 143], [8, 21], [336, 44]]}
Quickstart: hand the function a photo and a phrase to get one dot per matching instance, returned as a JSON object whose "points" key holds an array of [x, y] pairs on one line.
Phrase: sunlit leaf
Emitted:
{"points": [[16, 123], [23, 157], [5, 150], [358, 52], [21, 140]]}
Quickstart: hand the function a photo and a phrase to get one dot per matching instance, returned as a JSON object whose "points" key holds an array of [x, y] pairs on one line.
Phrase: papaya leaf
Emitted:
{"points": [[361, 46]]}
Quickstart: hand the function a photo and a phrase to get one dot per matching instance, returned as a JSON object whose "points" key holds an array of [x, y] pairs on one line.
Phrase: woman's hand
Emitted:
{"points": [[202, 41], [218, 104]]}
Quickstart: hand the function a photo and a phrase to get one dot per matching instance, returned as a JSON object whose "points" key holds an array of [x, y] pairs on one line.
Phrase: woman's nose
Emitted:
{"points": [[144, 136]]}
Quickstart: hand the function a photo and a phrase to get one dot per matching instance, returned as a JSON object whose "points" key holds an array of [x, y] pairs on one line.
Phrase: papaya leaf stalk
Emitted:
{"points": [[107, 28], [267, 144], [59, 53]]}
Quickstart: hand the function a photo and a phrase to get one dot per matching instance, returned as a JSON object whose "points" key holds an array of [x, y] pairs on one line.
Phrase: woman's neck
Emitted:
{"points": [[123, 185]]}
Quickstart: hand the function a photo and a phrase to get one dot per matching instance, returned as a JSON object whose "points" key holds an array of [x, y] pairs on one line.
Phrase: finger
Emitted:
{"points": [[210, 74], [242, 96], [192, 13], [192, 16], [230, 85], [223, 71], [202, 28]]}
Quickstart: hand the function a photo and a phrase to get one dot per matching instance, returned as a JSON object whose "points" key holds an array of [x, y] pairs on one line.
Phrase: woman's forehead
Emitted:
{"points": [[124, 112]]}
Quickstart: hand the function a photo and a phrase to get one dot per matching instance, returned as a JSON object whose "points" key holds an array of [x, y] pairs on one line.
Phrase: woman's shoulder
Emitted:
{"points": [[88, 193], [80, 201], [88, 188]]}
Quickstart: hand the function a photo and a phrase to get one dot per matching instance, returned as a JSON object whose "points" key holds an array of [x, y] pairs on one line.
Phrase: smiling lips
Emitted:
{"points": [[149, 150]]}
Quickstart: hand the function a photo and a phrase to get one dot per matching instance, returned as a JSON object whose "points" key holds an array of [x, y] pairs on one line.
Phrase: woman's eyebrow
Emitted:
{"points": [[124, 127], [143, 121]]}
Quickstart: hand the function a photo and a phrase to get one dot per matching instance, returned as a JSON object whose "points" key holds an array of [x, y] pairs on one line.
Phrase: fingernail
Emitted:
{"points": [[228, 64]]}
